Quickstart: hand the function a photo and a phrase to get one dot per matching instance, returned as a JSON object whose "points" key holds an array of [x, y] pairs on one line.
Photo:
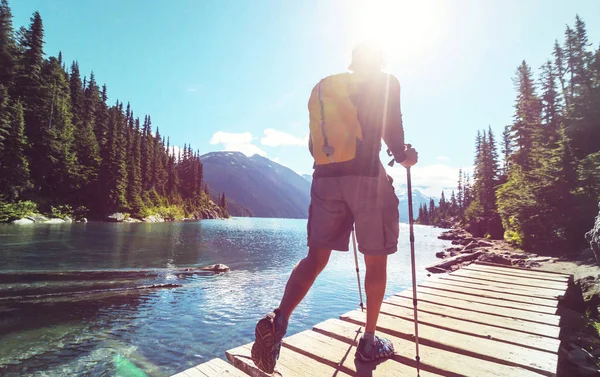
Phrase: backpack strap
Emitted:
{"points": [[327, 149]]}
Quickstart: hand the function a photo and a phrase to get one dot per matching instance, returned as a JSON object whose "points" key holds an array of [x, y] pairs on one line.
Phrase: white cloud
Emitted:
{"points": [[276, 138], [192, 89], [237, 142], [443, 158], [276, 159], [431, 179]]}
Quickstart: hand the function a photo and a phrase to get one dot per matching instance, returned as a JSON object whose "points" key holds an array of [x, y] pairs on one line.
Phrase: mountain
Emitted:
{"points": [[308, 177], [258, 184], [418, 198]]}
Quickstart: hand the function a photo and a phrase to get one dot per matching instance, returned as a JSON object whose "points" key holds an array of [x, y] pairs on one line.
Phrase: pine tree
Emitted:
{"points": [[460, 194], [134, 192], [223, 203], [507, 150], [147, 150], [85, 145], [527, 115], [559, 64], [51, 156], [550, 104], [453, 204], [113, 176], [29, 82], [4, 117], [14, 170], [99, 108], [8, 48], [158, 169]]}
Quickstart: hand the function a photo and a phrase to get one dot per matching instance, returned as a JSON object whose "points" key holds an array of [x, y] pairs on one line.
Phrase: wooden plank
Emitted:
{"points": [[290, 364], [432, 358], [501, 299], [336, 353], [423, 295], [522, 268], [487, 349], [548, 331], [180, 374], [193, 372], [513, 280], [481, 330], [519, 273], [219, 368], [546, 294]]}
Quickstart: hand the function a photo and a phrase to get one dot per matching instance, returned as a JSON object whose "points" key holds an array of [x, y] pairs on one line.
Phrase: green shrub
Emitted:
{"points": [[168, 211], [14, 211], [62, 211]]}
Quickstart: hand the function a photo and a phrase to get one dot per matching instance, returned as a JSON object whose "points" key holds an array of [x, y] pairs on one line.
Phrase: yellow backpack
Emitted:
{"points": [[334, 125]]}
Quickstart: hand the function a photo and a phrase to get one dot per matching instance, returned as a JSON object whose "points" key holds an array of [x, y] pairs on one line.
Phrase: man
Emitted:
{"points": [[350, 193]]}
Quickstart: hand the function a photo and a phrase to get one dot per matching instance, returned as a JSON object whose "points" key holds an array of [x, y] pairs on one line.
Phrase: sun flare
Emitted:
{"points": [[402, 28]]}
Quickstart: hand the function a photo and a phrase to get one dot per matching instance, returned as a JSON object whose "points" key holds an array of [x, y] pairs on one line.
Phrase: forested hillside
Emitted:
{"points": [[64, 149], [541, 192]]}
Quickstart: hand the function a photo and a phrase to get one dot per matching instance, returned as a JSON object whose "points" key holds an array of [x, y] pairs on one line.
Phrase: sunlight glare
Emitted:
{"points": [[405, 29]]}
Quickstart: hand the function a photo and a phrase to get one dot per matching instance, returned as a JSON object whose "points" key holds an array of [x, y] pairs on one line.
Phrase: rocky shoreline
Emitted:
{"points": [[579, 354], [118, 217], [467, 249]]}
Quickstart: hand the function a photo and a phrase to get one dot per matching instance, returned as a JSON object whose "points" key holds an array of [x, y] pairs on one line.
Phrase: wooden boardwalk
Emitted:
{"points": [[482, 320]]}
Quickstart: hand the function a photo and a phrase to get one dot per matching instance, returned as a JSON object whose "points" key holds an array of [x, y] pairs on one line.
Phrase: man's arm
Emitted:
{"points": [[393, 132]]}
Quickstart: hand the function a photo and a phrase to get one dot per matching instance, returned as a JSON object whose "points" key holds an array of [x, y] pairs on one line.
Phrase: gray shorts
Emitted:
{"points": [[339, 202]]}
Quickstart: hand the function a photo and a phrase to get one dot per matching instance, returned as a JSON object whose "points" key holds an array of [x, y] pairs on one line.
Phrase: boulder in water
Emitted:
{"points": [[154, 219], [23, 221], [55, 221], [117, 217], [37, 218], [593, 237], [216, 268]]}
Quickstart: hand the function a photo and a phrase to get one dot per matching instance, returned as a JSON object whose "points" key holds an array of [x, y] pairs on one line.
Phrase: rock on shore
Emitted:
{"points": [[466, 249]]}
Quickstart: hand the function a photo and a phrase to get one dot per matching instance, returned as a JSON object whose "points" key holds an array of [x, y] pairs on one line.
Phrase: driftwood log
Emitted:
{"points": [[445, 264], [141, 273]]}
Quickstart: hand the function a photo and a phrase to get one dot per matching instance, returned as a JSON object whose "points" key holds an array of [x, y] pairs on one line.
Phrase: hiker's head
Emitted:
{"points": [[367, 57]]}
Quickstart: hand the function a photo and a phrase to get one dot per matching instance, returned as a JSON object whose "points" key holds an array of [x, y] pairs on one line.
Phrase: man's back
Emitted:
{"points": [[376, 97]]}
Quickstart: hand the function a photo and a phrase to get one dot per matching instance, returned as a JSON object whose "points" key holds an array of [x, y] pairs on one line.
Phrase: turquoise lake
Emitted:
{"points": [[100, 322]]}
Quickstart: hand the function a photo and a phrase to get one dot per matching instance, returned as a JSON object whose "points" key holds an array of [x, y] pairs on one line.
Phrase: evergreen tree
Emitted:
{"points": [[147, 150], [85, 145], [460, 194], [453, 204], [507, 149], [4, 117], [550, 104], [14, 169], [134, 193], [158, 169], [113, 175], [223, 203], [559, 64], [52, 160], [99, 108], [527, 115], [8, 47]]}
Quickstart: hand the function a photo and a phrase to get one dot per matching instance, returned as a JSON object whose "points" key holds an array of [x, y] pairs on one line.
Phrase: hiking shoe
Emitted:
{"points": [[269, 335], [380, 349]]}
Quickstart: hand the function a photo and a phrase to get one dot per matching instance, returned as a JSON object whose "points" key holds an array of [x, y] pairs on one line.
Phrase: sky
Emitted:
{"points": [[237, 74]]}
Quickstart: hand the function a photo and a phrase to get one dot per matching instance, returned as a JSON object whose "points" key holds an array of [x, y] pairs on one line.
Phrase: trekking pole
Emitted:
{"points": [[357, 273], [412, 262]]}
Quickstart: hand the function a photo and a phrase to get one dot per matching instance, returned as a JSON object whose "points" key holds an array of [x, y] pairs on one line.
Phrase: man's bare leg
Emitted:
{"points": [[375, 282], [302, 278]]}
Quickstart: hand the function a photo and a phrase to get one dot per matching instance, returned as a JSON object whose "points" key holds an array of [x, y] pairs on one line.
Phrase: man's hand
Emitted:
{"points": [[411, 157]]}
